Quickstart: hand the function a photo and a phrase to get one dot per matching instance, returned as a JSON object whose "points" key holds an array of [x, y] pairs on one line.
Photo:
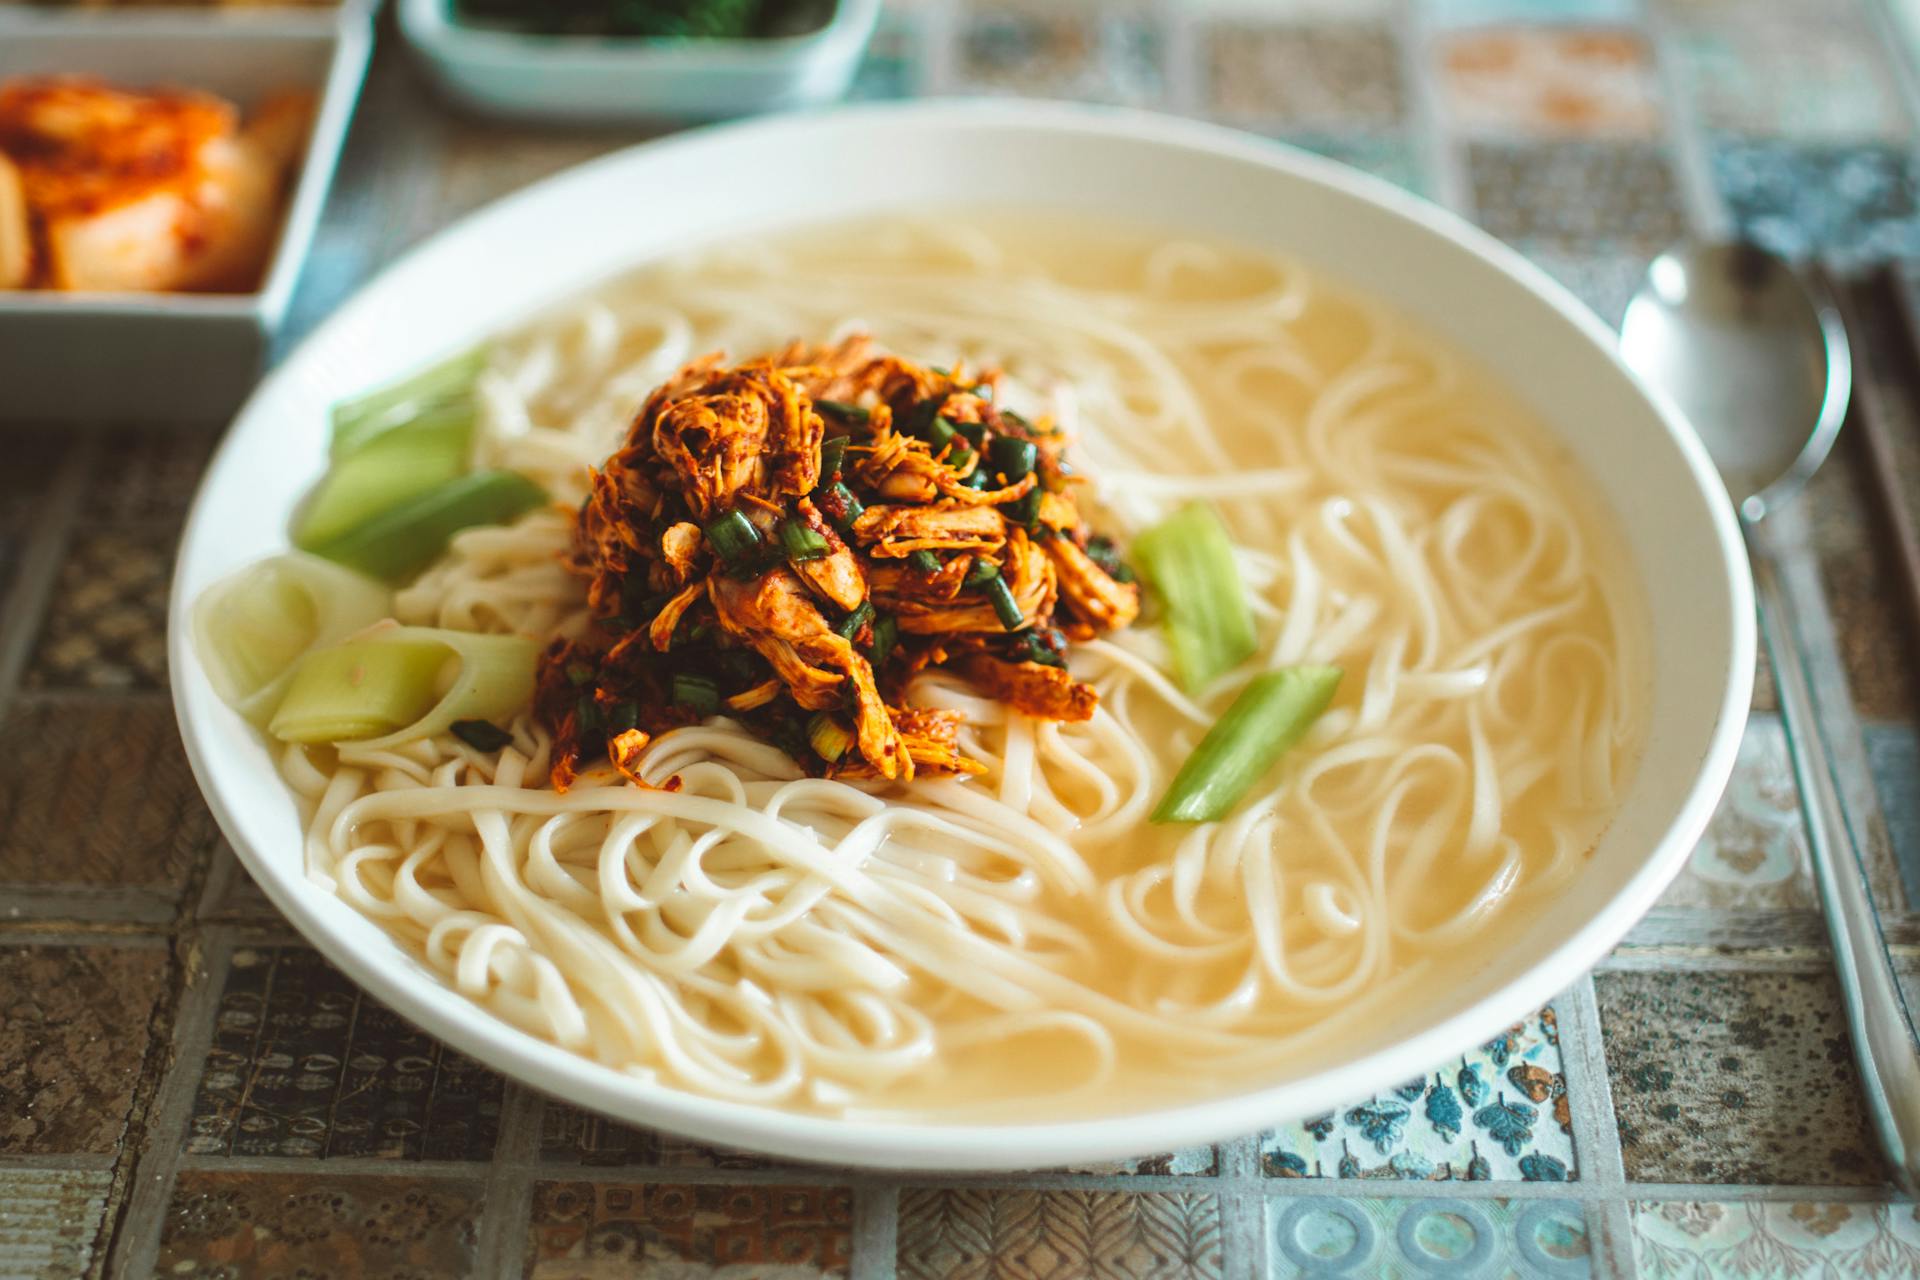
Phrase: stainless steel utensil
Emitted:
{"points": [[1756, 356]]}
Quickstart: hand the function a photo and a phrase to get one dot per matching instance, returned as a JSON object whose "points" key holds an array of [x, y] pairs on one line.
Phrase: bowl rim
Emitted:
{"points": [[1004, 1146]]}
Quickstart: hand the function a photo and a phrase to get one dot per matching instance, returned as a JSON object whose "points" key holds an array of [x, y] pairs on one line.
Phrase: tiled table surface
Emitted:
{"points": [[185, 1088]]}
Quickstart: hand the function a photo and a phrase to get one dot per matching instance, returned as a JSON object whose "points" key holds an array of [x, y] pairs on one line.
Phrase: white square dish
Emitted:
{"points": [[159, 359], [610, 78]]}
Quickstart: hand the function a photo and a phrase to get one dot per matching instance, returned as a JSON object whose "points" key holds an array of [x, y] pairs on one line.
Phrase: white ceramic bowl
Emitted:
{"points": [[478, 277]]}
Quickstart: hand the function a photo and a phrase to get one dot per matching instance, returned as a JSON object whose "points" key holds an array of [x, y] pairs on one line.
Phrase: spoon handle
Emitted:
{"points": [[1883, 1038]]}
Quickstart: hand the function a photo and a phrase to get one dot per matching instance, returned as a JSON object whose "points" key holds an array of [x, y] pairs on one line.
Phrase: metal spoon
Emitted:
{"points": [[1756, 356]]}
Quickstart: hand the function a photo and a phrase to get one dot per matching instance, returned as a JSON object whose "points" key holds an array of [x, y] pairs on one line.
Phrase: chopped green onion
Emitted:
{"points": [[579, 674], [975, 433], [481, 735], [833, 451], [733, 537], [1012, 457], [980, 478], [401, 541], [918, 419], [1000, 595], [982, 570], [1031, 648], [850, 507], [622, 716], [251, 628], [448, 385], [886, 634], [698, 693], [1025, 509], [828, 737], [586, 714], [1188, 560], [1101, 551], [801, 541], [940, 434], [852, 414], [1271, 714], [925, 561], [850, 625]]}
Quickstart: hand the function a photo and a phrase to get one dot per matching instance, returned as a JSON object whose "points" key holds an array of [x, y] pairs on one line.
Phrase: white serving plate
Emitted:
{"points": [[609, 78], [479, 276], [158, 359]]}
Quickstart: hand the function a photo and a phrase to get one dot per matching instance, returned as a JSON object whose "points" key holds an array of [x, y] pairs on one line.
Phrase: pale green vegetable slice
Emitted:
{"points": [[398, 466], [366, 418], [401, 684], [251, 627]]}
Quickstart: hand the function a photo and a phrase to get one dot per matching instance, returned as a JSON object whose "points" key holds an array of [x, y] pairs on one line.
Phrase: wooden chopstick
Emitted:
{"points": [[1886, 300]]}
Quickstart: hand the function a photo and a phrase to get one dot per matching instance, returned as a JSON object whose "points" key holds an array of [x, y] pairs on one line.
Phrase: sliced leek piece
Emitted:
{"points": [[251, 627]]}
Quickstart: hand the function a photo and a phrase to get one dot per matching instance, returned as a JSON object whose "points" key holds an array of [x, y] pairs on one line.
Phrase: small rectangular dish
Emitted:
{"points": [[168, 358], [612, 78]]}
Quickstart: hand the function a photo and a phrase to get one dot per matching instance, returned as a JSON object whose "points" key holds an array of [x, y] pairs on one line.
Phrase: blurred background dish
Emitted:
{"points": [[640, 60], [261, 110]]}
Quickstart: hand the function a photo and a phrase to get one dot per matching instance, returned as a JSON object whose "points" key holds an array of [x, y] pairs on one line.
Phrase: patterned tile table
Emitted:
{"points": [[186, 1089]]}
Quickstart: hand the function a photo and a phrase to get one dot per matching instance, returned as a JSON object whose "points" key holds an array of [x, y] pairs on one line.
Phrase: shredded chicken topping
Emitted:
{"points": [[789, 541]]}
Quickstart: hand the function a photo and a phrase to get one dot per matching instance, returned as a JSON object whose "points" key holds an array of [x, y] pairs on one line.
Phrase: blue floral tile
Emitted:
{"points": [[1405, 1239], [1821, 80], [1734, 1077], [1856, 203], [1707, 1240], [1577, 197], [1391, 157], [1061, 50], [1500, 1113]]}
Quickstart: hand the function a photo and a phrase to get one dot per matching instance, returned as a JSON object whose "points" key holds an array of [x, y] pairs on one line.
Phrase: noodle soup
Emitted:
{"points": [[1026, 941]]}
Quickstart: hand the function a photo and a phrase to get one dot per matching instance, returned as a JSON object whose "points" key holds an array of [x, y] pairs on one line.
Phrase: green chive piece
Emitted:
{"points": [[975, 433], [1188, 560], [1271, 714], [1012, 457], [801, 541], [833, 451], [918, 419], [828, 737], [886, 634], [586, 715], [982, 570], [1025, 509], [733, 537], [925, 561], [481, 735], [697, 693], [850, 625], [850, 506], [623, 715], [852, 414], [1001, 597]]}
